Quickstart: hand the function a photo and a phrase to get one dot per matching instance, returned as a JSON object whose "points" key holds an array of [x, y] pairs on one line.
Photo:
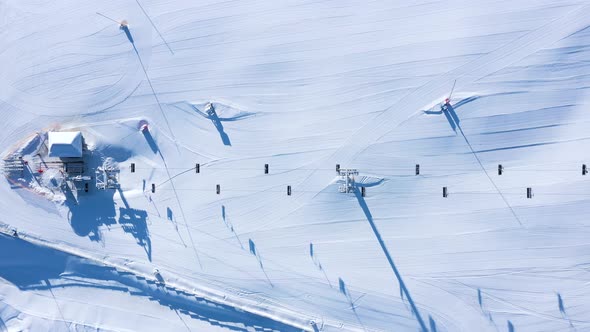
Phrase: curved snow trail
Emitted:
{"points": [[25, 92], [407, 106], [286, 318], [465, 74]]}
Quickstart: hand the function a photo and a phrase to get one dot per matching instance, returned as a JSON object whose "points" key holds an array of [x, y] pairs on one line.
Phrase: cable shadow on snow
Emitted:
{"points": [[44, 269], [403, 289]]}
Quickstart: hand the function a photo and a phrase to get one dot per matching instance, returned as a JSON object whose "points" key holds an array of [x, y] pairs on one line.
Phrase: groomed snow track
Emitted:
{"points": [[194, 300]]}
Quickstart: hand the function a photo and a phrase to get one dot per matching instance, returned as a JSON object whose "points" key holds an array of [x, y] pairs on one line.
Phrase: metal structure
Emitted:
{"points": [[107, 175], [13, 164], [210, 109], [347, 174]]}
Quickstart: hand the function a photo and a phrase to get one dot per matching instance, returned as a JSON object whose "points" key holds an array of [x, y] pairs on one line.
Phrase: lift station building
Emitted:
{"points": [[64, 144]]}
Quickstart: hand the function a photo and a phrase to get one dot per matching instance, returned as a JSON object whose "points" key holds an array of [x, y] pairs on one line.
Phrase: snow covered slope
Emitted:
{"points": [[301, 86]]}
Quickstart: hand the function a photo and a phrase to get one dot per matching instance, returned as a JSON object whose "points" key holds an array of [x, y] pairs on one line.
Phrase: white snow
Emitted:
{"points": [[64, 144], [301, 86]]}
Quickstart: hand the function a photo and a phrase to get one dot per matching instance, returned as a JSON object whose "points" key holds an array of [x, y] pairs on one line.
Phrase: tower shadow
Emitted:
{"points": [[133, 221], [449, 112], [125, 29], [150, 140], [219, 126], [403, 289]]}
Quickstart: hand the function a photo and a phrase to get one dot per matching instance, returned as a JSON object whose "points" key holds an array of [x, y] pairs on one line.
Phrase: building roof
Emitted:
{"points": [[65, 144]]}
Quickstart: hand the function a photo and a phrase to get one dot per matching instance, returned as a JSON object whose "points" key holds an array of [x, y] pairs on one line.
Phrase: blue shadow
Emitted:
{"points": [[560, 304], [96, 208], [510, 327], [127, 33], [169, 214], [219, 126], [479, 298], [450, 119], [134, 222], [41, 268], [450, 114], [341, 286], [404, 290], [150, 140], [432, 324], [252, 247]]}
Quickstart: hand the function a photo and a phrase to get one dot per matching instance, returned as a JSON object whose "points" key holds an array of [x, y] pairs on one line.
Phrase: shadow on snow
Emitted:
{"points": [[403, 289], [40, 268], [89, 211]]}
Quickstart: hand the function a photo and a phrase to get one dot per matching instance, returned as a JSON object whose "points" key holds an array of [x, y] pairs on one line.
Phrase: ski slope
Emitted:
{"points": [[300, 86]]}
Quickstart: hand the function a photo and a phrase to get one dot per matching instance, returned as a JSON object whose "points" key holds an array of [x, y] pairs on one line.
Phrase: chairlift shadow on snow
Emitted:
{"points": [[254, 251], [344, 290], [561, 307]]}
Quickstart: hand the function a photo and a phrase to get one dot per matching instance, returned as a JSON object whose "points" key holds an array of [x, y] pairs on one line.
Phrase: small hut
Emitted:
{"points": [[64, 144]]}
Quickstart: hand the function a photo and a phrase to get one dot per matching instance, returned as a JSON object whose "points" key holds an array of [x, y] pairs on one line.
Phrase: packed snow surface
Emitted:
{"points": [[301, 86]]}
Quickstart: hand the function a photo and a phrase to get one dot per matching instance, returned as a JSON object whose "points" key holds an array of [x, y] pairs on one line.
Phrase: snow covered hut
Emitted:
{"points": [[65, 144]]}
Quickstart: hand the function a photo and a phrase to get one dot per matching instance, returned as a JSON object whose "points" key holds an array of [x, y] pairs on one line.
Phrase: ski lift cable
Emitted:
{"points": [[452, 89], [405, 193], [376, 169]]}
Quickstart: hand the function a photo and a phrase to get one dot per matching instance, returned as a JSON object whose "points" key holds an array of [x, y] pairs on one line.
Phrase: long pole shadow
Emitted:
{"points": [[404, 290], [454, 121]]}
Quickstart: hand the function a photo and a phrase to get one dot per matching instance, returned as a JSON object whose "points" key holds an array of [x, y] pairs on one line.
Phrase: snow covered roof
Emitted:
{"points": [[65, 144]]}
